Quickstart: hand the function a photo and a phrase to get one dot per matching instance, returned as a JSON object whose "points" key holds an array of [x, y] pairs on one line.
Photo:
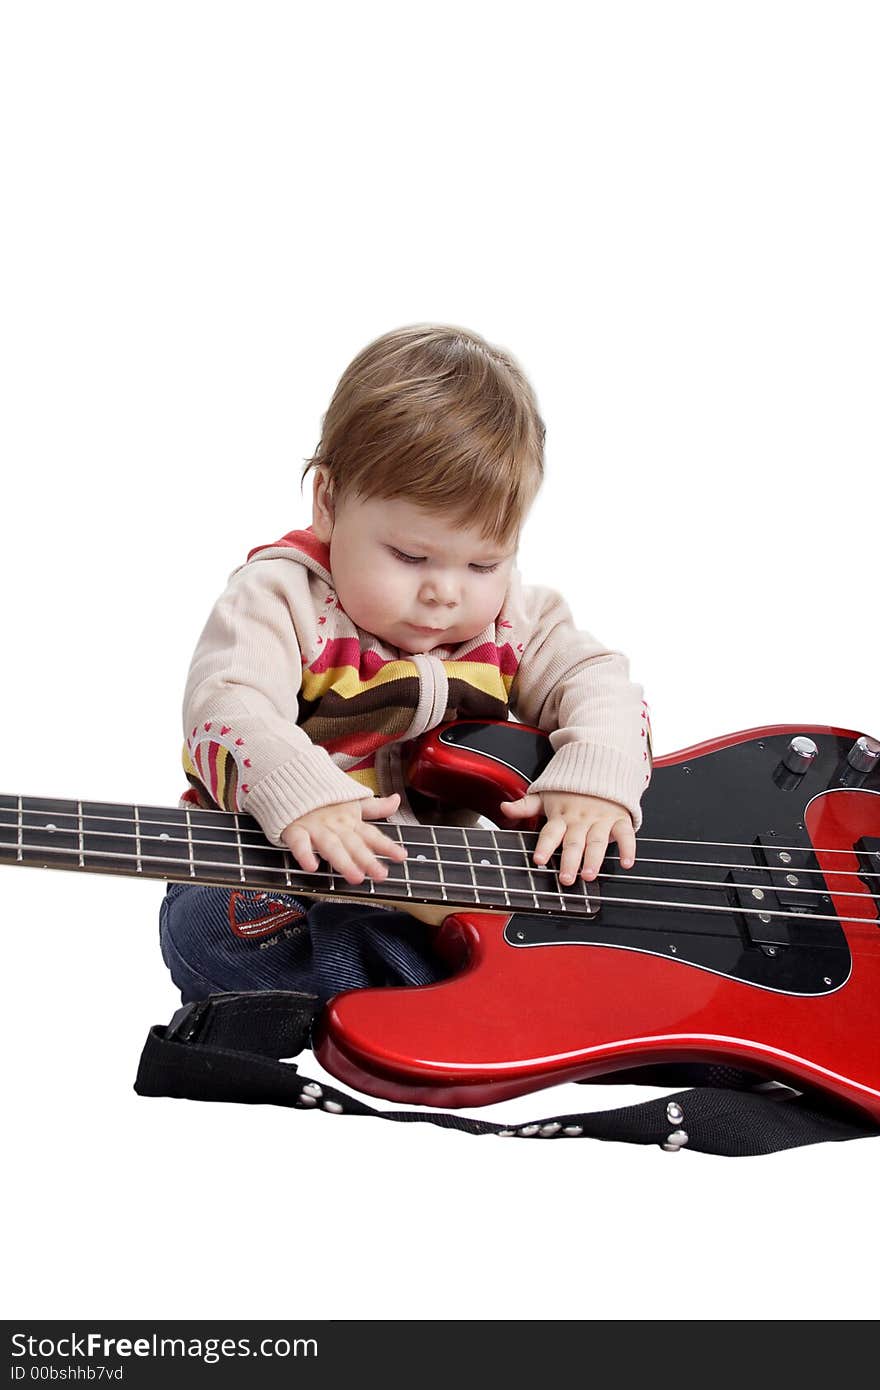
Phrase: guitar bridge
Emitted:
{"points": [[753, 893]]}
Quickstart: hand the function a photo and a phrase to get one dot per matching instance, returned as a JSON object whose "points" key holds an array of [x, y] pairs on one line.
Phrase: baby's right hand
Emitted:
{"points": [[341, 834]]}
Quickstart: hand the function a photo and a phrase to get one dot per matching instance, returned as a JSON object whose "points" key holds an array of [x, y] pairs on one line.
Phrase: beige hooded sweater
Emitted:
{"points": [[290, 706]]}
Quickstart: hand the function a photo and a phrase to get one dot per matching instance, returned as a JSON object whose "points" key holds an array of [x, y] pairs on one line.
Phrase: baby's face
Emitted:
{"points": [[414, 579]]}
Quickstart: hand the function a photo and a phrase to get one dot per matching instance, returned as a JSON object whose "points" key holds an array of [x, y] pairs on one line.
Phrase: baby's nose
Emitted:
{"points": [[441, 589]]}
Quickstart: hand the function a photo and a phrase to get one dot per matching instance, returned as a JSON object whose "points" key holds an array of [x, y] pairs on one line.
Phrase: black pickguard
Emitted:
{"points": [[749, 810]]}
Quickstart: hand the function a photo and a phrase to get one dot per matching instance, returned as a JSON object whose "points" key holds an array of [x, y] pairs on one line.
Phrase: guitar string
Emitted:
{"points": [[260, 840], [370, 888], [528, 866]]}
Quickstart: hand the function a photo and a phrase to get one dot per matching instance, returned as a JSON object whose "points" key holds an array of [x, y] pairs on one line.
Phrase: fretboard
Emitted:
{"points": [[447, 865]]}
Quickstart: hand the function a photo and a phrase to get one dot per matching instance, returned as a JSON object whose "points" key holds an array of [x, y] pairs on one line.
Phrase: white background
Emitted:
{"points": [[669, 214]]}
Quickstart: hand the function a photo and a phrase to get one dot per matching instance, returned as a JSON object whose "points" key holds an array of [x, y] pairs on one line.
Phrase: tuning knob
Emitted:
{"points": [[864, 754], [801, 754]]}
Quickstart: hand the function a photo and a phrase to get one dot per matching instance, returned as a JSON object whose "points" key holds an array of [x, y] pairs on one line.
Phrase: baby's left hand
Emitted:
{"points": [[583, 825]]}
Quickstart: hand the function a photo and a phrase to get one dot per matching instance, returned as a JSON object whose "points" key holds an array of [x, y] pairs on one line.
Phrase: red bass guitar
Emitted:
{"points": [[748, 931]]}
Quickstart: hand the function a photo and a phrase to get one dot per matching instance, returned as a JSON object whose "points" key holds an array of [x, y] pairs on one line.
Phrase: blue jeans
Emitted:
{"points": [[217, 939]]}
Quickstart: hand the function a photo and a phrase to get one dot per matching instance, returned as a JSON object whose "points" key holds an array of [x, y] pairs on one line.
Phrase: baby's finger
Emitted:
{"points": [[572, 853], [378, 807], [551, 835], [528, 805], [366, 860], [300, 846], [330, 846], [597, 844], [625, 836]]}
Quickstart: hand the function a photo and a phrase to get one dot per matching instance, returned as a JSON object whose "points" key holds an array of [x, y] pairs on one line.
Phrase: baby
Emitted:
{"points": [[398, 609]]}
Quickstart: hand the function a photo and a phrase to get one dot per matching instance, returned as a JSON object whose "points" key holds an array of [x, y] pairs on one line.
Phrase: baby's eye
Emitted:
{"points": [[485, 569], [407, 559]]}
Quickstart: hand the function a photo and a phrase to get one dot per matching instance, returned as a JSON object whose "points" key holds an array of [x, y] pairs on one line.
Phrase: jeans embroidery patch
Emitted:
{"points": [[254, 915]]}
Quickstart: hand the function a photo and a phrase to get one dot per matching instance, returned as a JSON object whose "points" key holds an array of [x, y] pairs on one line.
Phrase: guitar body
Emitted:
{"points": [[746, 933]]}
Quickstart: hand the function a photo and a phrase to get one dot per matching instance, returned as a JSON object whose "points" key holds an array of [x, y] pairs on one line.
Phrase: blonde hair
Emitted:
{"points": [[437, 415]]}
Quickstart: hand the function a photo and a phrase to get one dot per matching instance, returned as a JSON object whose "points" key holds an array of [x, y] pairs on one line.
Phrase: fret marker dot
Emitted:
{"points": [[487, 862], [164, 835], [422, 857], [50, 828]]}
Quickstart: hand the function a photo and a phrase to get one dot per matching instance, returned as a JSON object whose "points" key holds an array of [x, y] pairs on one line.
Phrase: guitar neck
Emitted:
{"points": [[452, 867]]}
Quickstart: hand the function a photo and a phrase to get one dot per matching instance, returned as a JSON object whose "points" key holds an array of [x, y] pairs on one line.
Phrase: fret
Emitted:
{"points": [[552, 883], [286, 860], [456, 871], [9, 828], [489, 874], [424, 872], [369, 884], [439, 863], [587, 894], [238, 846], [79, 817], [19, 856], [470, 858], [397, 884], [405, 867], [512, 900], [189, 840], [531, 866], [137, 841], [164, 848]]}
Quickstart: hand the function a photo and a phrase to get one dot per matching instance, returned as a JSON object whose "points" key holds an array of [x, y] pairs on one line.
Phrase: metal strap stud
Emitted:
{"points": [[675, 1141]]}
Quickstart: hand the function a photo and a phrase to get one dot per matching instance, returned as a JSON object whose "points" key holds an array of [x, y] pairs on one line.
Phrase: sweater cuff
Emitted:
{"points": [[588, 770], [307, 781]]}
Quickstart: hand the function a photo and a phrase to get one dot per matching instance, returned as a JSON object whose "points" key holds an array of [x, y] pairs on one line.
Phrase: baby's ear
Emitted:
{"points": [[322, 506]]}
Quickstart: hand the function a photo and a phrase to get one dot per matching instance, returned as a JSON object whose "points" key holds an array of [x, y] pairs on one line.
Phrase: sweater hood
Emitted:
{"points": [[301, 546]]}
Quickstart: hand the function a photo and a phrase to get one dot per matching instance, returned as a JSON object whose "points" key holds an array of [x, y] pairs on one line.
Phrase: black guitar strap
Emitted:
{"points": [[228, 1048]]}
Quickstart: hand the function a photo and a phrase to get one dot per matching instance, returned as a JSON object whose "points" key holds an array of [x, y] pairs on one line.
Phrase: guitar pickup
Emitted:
{"points": [[752, 891], [796, 879]]}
